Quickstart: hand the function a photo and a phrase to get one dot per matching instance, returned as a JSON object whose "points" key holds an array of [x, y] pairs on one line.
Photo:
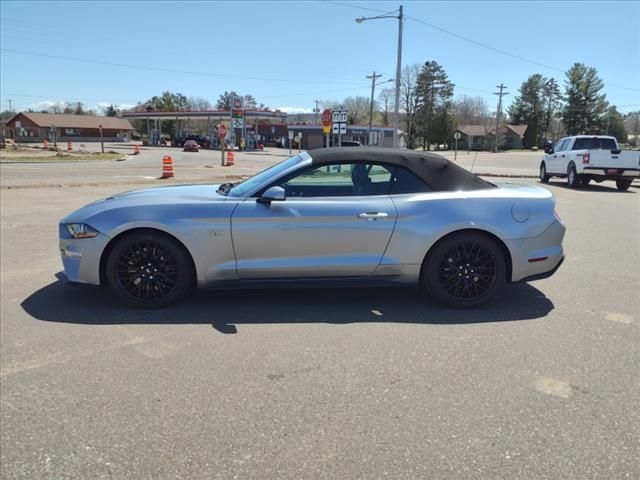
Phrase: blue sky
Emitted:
{"points": [[287, 54]]}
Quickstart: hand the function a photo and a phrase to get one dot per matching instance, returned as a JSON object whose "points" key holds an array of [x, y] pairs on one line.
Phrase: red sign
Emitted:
{"points": [[222, 131], [326, 117]]}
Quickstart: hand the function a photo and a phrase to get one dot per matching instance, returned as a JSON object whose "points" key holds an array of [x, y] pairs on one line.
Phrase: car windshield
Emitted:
{"points": [[250, 183]]}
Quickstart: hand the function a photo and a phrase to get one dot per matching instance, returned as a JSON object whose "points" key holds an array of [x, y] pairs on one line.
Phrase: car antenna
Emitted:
{"points": [[474, 161]]}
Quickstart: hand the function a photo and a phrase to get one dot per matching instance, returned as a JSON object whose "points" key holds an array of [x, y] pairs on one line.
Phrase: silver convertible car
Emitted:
{"points": [[331, 215]]}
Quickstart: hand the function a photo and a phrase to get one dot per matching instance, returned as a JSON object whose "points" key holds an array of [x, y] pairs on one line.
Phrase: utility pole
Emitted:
{"points": [[10, 109], [396, 116], [315, 110], [500, 94], [373, 78]]}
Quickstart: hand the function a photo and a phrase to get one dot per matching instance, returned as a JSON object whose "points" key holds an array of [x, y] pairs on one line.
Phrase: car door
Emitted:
{"points": [[335, 221], [553, 159]]}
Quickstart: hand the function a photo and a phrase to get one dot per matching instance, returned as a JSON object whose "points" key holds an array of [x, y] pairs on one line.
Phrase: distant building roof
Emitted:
{"points": [[517, 129], [45, 120], [473, 130]]}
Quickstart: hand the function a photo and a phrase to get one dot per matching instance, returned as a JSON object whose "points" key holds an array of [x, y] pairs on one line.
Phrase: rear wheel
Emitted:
{"points": [[623, 185], [572, 176], [544, 178], [149, 270], [464, 270]]}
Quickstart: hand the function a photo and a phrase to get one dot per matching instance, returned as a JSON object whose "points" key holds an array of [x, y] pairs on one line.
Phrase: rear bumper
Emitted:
{"points": [[543, 275], [538, 257], [612, 173]]}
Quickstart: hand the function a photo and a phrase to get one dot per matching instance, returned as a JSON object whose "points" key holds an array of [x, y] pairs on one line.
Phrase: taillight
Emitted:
{"points": [[586, 156]]}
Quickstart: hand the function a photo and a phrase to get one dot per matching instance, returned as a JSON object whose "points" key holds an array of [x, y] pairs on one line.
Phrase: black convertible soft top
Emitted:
{"points": [[435, 170]]}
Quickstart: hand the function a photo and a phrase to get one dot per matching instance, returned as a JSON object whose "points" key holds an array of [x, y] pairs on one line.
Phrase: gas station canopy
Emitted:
{"points": [[206, 114]]}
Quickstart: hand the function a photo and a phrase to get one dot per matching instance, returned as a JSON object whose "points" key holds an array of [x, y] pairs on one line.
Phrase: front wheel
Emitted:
{"points": [[623, 185], [149, 270], [464, 270], [544, 178]]}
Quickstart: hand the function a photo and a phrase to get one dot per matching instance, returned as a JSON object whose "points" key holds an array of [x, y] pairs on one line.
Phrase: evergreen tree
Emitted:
{"points": [[434, 114], [585, 109], [111, 111], [615, 125]]}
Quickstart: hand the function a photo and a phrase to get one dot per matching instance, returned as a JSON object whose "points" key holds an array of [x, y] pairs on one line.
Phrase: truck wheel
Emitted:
{"points": [[572, 176], [544, 178], [623, 185]]}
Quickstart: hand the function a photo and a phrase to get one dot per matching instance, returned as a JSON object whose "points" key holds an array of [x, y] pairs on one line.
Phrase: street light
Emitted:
{"points": [[398, 68]]}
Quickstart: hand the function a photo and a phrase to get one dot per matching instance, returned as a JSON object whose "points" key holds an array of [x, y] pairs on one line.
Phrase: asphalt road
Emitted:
{"points": [[349, 383], [197, 167]]}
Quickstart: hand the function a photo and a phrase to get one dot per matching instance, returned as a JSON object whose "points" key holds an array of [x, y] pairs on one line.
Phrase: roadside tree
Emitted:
{"points": [[585, 108]]}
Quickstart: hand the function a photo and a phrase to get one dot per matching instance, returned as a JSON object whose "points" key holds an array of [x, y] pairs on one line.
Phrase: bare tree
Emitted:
{"points": [[358, 108], [409, 100], [199, 103], [471, 110], [386, 99]]}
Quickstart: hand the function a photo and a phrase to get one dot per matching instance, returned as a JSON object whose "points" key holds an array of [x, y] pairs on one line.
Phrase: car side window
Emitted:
{"points": [[339, 180], [560, 146], [405, 181]]}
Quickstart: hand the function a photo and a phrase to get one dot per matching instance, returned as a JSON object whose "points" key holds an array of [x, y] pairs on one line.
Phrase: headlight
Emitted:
{"points": [[81, 230]]}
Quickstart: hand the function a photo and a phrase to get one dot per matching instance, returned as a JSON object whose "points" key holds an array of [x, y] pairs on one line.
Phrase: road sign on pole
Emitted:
{"points": [[326, 117], [339, 122]]}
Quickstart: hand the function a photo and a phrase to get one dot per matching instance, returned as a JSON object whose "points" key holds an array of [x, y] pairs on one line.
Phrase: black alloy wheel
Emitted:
{"points": [[149, 270], [465, 270]]}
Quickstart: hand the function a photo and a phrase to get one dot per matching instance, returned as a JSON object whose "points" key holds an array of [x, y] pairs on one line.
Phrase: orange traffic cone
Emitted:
{"points": [[136, 149], [69, 147], [167, 167], [230, 159]]}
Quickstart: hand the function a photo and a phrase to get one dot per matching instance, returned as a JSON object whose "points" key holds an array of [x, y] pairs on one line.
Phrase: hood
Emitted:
{"points": [[175, 195]]}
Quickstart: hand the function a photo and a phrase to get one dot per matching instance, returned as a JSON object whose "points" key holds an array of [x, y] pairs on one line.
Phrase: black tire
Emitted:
{"points": [[572, 176], [149, 269], [623, 185], [464, 270], [544, 177], [584, 180]]}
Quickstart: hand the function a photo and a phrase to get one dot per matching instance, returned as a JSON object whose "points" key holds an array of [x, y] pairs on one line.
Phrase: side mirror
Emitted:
{"points": [[272, 194]]}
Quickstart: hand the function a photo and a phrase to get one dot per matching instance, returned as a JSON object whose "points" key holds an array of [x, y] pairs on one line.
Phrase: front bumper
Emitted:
{"points": [[538, 257], [81, 257]]}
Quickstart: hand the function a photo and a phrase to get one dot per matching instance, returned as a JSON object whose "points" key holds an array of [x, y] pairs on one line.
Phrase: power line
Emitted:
{"points": [[171, 70], [477, 43]]}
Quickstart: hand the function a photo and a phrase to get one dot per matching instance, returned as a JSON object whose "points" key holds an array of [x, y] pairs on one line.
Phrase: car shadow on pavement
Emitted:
{"points": [[225, 309]]}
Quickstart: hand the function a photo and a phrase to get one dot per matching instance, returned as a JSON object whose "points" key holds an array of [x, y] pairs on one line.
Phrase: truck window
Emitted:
{"points": [[560, 147], [595, 143]]}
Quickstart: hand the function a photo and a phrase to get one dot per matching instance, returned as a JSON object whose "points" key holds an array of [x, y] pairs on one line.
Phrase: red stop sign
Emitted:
{"points": [[326, 117]]}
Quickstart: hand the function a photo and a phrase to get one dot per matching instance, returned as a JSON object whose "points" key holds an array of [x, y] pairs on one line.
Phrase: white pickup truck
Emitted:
{"points": [[583, 158]]}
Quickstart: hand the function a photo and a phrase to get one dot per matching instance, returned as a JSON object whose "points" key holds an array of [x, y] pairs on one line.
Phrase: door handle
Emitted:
{"points": [[373, 215]]}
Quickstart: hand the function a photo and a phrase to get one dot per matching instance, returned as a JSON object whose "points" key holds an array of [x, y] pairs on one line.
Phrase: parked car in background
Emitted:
{"points": [[190, 146], [335, 215], [351, 143], [583, 158]]}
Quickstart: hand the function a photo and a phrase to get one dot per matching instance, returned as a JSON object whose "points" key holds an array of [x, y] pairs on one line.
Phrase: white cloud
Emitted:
{"points": [[43, 105], [102, 106], [295, 109]]}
